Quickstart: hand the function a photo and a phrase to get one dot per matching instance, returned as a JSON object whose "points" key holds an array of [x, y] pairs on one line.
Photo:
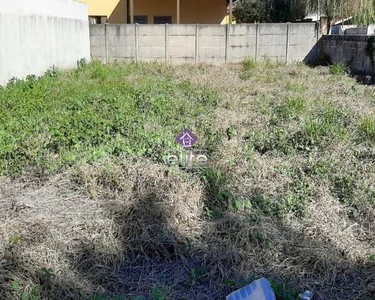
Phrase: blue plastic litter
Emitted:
{"points": [[258, 290], [306, 295]]}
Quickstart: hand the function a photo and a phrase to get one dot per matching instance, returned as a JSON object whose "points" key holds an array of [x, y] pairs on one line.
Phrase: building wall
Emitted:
{"points": [[114, 10], [192, 11], [203, 12], [156, 8], [36, 35], [214, 44]]}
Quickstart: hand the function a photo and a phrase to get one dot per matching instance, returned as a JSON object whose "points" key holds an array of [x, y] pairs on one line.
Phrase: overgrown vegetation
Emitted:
{"points": [[338, 69], [360, 12], [55, 121], [91, 211]]}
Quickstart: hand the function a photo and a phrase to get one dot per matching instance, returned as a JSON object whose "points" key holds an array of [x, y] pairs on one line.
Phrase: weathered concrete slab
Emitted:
{"points": [[246, 30], [272, 29], [151, 30], [151, 41], [212, 30], [118, 30], [182, 41], [181, 52], [182, 30], [124, 52], [211, 43]]}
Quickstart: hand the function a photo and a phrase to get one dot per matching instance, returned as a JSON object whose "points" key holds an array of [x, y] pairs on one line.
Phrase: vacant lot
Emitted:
{"points": [[89, 209]]}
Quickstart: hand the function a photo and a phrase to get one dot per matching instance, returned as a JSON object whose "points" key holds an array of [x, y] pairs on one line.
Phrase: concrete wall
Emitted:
{"points": [[35, 35], [192, 11], [215, 44], [349, 50]]}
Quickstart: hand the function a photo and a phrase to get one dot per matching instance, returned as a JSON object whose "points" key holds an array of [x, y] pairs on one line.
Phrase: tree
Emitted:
{"points": [[363, 11], [250, 11]]}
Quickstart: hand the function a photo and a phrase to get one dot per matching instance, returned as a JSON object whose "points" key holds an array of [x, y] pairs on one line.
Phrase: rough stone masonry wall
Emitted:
{"points": [[349, 50], [214, 44], [36, 35]]}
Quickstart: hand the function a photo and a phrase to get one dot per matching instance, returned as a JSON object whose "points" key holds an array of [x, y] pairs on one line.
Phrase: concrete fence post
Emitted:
{"points": [[257, 41], [226, 42], [106, 44], [196, 44], [136, 36], [287, 43], [166, 43]]}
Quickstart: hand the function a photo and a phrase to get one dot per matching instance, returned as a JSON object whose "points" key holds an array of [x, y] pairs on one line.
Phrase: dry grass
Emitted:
{"points": [[135, 227]]}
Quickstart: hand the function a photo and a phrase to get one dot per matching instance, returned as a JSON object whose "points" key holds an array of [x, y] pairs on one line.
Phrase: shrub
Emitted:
{"points": [[338, 69], [249, 64]]}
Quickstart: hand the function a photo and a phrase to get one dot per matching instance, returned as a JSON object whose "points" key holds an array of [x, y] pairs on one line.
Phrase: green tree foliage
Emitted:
{"points": [[363, 11], [250, 11]]}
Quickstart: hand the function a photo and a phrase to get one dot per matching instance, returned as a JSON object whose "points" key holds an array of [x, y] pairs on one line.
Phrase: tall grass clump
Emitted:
{"points": [[249, 64], [338, 69], [367, 128]]}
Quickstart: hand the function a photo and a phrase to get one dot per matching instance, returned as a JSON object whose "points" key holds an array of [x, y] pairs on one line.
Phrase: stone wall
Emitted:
{"points": [[349, 50]]}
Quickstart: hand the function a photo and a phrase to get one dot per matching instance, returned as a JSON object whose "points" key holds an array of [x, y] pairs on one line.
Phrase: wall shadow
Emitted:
{"points": [[120, 13]]}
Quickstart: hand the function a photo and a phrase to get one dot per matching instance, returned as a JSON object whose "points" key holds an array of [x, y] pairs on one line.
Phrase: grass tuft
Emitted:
{"points": [[338, 69]]}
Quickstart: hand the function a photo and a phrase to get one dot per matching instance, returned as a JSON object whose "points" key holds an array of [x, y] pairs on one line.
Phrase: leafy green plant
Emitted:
{"points": [[197, 274], [282, 292], [47, 275], [15, 239], [34, 294], [231, 132], [367, 127], [249, 64], [344, 187], [219, 197], [158, 294], [338, 69], [274, 138], [292, 108]]}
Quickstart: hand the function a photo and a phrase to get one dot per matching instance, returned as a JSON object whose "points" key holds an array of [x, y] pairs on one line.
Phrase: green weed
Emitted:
{"points": [[338, 69], [32, 294], [292, 108], [219, 197], [367, 128], [249, 64]]}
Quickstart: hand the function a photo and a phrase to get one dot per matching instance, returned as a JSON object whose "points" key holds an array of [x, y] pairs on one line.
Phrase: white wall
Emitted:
{"points": [[38, 34]]}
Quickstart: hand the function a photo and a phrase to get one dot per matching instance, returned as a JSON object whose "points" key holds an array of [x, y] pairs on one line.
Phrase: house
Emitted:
{"points": [[157, 11]]}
